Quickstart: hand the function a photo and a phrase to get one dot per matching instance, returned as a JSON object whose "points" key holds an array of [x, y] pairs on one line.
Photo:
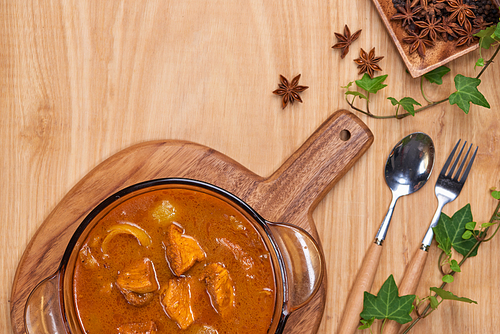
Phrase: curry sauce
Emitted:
{"points": [[174, 261]]}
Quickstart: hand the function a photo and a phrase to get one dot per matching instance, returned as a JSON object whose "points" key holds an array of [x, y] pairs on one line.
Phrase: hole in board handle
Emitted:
{"points": [[345, 135]]}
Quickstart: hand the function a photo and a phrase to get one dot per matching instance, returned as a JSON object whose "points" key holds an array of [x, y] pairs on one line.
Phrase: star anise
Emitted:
{"points": [[479, 24], [466, 36], [406, 14], [447, 26], [461, 11], [367, 62], [421, 2], [418, 43], [289, 91], [433, 8], [429, 27], [344, 41]]}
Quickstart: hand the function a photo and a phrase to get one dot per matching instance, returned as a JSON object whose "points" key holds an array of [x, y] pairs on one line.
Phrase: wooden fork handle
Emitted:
{"points": [[408, 285], [364, 281]]}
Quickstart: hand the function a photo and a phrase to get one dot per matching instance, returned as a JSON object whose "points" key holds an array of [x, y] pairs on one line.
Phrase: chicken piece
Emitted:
{"points": [[237, 225], [177, 301], [138, 282], [88, 260], [238, 253], [137, 299], [182, 250], [139, 277], [220, 287], [164, 212], [138, 328]]}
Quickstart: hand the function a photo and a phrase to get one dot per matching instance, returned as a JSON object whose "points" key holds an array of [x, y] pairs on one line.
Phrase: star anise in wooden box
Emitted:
{"points": [[418, 43], [460, 10], [441, 41], [407, 14]]}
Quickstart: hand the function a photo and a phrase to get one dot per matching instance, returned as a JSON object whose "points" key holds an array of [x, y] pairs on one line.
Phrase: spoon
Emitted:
{"points": [[407, 169]]}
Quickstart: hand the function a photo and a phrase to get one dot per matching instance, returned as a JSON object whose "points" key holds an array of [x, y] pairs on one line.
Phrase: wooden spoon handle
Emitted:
{"points": [[408, 285], [364, 281]]}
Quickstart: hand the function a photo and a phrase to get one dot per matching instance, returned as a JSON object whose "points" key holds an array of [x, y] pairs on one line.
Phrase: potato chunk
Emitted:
{"points": [[177, 301], [220, 287], [138, 282], [182, 251], [138, 328], [164, 212]]}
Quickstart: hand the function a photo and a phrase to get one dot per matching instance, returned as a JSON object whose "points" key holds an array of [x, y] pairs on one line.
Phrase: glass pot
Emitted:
{"points": [[297, 262]]}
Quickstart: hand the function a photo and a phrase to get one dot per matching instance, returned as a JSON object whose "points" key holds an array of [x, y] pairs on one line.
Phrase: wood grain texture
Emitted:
{"points": [[364, 281], [83, 80], [409, 284], [289, 195]]}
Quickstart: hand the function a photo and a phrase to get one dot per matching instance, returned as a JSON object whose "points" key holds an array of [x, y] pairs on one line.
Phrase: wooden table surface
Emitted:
{"points": [[83, 80]]}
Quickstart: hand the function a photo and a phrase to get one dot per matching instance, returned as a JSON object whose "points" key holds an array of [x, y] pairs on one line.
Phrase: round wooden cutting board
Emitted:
{"points": [[289, 195]]}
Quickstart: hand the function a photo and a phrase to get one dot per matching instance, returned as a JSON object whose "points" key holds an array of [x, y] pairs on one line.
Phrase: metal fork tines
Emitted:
{"points": [[449, 184]]}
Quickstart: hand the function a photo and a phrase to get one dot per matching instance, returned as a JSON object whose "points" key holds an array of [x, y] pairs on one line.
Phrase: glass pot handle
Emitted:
{"points": [[43, 312], [303, 260]]}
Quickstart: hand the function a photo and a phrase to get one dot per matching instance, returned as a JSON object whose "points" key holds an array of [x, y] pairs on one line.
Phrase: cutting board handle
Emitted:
{"points": [[303, 180]]}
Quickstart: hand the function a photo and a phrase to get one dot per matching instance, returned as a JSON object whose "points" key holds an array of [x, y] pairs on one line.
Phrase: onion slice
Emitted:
{"points": [[126, 228]]}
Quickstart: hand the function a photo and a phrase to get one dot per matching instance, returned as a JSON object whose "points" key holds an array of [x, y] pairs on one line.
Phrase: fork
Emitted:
{"points": [[448, 187]]}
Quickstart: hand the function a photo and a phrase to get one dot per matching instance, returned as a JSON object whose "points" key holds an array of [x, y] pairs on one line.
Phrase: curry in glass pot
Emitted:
{"points": [[174, 261]]}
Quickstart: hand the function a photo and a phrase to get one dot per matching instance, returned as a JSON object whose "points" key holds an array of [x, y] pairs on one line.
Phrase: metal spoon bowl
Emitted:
{"points": [[407, 169]]}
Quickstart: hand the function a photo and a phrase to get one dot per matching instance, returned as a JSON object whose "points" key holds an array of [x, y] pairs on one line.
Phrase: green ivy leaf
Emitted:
{"points": [[497, 31], [371, 85], [454, 266], [388, 304], [470, 225], [485, 225], [495, 194], [453, 228], [467, 92], [486, 37], [447, 295], [467, 235], [407, 103], [348, 85], [443, 241], [366, 323], [434, 302], [479, 63], [436, 75], [448, 279], [353, 92], [393, 101]]}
